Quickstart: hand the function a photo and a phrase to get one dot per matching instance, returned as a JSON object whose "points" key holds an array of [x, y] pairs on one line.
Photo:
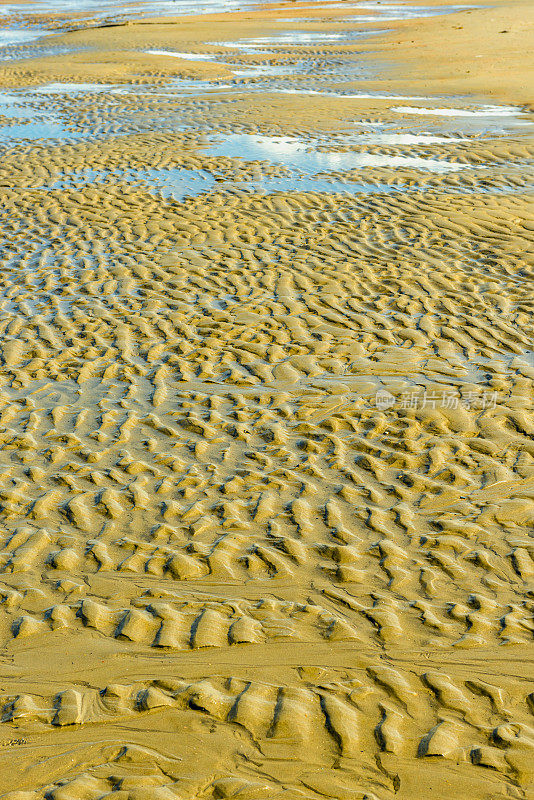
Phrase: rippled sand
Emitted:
{"points": [[267, 472]]}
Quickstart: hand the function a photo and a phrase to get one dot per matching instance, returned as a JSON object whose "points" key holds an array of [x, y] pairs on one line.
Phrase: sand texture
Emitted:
{"points": [[266, 407]]}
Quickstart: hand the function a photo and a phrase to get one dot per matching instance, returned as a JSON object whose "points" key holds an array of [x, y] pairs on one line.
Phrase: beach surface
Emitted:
{"points": [[266, 401]]}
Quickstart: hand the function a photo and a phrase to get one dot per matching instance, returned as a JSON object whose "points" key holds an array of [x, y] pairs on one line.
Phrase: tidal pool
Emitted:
{"points": [[296, 153]]}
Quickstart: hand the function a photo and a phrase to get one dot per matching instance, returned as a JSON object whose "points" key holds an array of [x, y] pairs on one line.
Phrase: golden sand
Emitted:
{"points": [[230, 568]]}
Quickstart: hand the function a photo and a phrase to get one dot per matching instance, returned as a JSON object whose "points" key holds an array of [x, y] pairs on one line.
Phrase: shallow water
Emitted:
{"points": [[178, 184], [385, 12], [73, 88], [36, 131], [170, 183], [296, 153], [296, 38], [323, 70], [96, 9], [15, 36], [99, 8], [484, 111], [185, 56], [350, 95], [15, 106]]}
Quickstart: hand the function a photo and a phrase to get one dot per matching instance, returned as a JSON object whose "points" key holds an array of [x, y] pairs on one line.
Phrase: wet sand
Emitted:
{"points": [[266, 404]]}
